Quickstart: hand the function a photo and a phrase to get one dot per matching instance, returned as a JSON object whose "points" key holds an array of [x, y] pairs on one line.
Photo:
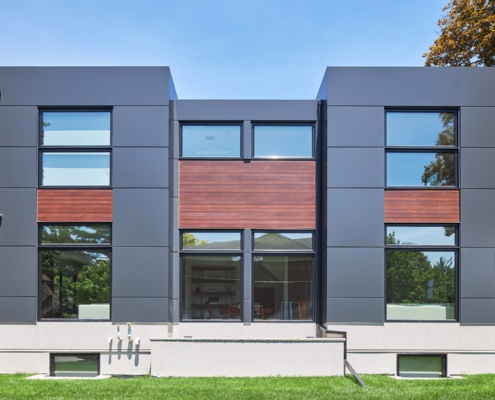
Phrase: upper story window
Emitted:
{"points": [[283, 141], [421, 272], [75, 148], [210, 141], [421, 148]]}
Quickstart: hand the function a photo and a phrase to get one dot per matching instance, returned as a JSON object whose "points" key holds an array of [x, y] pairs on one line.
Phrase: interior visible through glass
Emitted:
{"points": [[77, 365], [211, 141]]}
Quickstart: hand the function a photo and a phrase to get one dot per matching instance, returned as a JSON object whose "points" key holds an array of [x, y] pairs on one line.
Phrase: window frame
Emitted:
{"points": [[450, 149], [281, 124], [285, 252], [71, 247], [42, 148], [211, 123], [210, 253], [455, 248]]}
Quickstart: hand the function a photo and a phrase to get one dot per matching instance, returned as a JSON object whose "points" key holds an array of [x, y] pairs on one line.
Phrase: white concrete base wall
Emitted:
{"points": [[468, 364], [372, 363], [317, 357], [22, 362]]}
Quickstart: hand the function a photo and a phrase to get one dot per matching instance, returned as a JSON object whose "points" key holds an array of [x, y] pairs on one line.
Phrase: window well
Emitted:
{"points": [[422, 366], [75, 365]]}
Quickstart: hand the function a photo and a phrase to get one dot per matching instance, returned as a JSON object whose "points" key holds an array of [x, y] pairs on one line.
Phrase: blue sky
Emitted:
{"points": [[221, 49]]}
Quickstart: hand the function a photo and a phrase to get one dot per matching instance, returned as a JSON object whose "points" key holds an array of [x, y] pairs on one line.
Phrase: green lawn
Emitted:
{"points": [[379, 387]]}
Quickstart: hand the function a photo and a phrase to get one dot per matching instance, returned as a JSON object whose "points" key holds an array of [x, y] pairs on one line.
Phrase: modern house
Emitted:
{"points": [[146, 234]]}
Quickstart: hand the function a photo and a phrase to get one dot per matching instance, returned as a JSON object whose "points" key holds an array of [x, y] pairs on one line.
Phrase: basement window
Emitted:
{"points": [[422, 366], [75, 365]]}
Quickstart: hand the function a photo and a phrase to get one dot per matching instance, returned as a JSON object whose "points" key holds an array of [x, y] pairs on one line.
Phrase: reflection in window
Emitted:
{"points": [[420, 128], [75, 284], [283, 241], [71, 128], [203, 240], [283, 287], [75, 365], [422, 366], [211, 141], [421, 169], [211, 287], [421, 282], [75, 169], [74, 234], [283, 141]]}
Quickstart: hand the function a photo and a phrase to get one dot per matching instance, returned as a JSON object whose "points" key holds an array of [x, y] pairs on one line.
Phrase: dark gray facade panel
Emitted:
{"points": [[477, 272], [18, 167], [140, 167], [173, 178], [19, 274], [477, 167], [173, 276], [477, 311], [144, 86], [354, 86], [140, 271], [355, 167], [128, 309], [17, 309], [243, 110], [174, 235], [477, 217], [355, 218], [173, 311], [140, 217], [477, 86], [363, 310], [355, 126], [354, 272], [412, 86], [18, 125], [247, 314], [75, 86], [18, 86], [477, 126], [175, 139], [141, 126], [18, 207]]}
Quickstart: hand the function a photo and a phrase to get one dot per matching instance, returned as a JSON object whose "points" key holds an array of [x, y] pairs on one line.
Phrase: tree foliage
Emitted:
{"points": [[467, 36]]}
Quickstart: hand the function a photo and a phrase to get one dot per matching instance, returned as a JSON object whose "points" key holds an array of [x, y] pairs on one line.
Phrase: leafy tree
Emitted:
{"points": [[189, 240], [467, 36]]}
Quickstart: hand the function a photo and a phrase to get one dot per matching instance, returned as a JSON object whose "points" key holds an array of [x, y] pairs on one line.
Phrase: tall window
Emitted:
{"points": [[75, 148], [75, 271], [211, 275], [421, 148], [210, 141], [421, 270], [283, 275]]}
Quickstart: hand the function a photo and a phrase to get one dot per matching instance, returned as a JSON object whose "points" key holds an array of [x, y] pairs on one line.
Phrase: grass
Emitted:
{"points": [[379, 387]]}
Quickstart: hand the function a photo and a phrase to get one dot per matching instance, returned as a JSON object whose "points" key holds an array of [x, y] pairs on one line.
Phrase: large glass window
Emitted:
{"points": [[75, 148], [283, 276], [421, 148], [421, 272], [283, 141], [75, 272], [211, 283], [211, 141]]}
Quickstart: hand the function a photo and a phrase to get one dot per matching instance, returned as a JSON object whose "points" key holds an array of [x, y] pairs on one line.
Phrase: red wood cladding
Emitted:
{"points": [[75, 205], [256, 194], [421, 206]]}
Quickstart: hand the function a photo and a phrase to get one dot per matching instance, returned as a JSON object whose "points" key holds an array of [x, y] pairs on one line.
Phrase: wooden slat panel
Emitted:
{"points": [[257, 195], [422, 206], [75, 205]]}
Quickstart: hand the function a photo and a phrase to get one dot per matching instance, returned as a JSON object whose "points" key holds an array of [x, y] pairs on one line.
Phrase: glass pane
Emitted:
{"points": [[212, 287], [76, 128], [211, 241], [421, 235], [76, 284], [283, 241], [76, 365], [283, 141], [421, 169], [76, 169], [283, 287], [421, 366], [68, 234], [420, 285], [211, 141], [420, 129]]}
